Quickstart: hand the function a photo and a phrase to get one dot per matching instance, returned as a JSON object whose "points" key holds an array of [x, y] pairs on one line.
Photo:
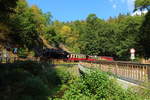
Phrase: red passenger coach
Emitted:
{"points": [[106, 58], [76, 57], [81, 57]]}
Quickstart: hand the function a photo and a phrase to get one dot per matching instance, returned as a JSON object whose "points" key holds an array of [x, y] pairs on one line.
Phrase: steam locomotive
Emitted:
{"points": [[61, 54]]}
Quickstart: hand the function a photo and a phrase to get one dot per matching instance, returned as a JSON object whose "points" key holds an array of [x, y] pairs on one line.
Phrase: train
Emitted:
{"points": [[81, 57], [61, 54]]}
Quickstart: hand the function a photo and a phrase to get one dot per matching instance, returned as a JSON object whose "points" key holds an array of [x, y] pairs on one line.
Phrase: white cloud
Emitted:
{"points": [[129, 3], [114, 6], [139, 12]]}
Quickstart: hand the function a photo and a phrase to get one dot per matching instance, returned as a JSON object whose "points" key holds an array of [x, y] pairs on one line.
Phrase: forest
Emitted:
{"points": [[23, 25], [26, 26]]}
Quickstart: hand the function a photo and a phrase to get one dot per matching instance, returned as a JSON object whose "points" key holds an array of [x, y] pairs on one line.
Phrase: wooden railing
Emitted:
{"points": [[37, 59], [14, 59], [134, 72]]}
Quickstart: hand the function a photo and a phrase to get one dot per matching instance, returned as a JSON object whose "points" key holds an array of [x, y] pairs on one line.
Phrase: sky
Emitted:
{"points": [[71, 10]]}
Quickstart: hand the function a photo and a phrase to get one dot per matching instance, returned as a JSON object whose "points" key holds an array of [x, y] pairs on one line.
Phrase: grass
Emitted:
{"points": [[59, 90]]}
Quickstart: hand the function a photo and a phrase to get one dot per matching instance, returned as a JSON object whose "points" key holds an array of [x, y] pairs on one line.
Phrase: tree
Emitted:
{"points": [[42, 20], [6, 8], [27, 24], [142, 4], [128, 35], [65, 31], [52, 37], [144, 36], [96, 41]]}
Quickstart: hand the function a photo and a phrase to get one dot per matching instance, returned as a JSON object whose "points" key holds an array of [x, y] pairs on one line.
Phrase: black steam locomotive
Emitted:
{"points": [[55, 53], [61, 54]]}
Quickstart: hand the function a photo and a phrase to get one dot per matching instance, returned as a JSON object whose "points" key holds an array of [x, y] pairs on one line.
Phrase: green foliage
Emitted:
{"points": [[23, 80], [35, 86], [113, 37], [29, 80], [52, 36], [144, 37], [6, 9], [142, 4], [64, 75], [27, 24], [97, 86], [22, 52], [144, 91], [23, 25], [95, 41], [37, 81]]}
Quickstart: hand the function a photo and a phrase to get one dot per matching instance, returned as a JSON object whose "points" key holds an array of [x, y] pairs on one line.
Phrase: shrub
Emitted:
{"points": [[63, 75], [53, 79], [143, 90], [22, 52], [97, 86], [23, 81], [34, 86]]}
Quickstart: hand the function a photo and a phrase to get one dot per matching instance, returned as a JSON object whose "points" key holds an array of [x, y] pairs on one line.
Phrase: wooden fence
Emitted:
{"points": [[37, 59], [14, 59], [134, 72]]}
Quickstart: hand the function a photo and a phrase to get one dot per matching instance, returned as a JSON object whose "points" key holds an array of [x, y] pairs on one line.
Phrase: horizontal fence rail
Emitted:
{"points": [[37, 59], [14, 59], [134, 72]]}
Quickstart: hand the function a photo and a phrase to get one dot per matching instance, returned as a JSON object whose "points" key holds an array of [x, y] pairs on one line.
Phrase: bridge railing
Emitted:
{"points": [[134, 72]]}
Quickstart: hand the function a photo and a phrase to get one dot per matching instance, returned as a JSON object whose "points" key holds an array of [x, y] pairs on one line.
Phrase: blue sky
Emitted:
{"points": [[70, 10]]}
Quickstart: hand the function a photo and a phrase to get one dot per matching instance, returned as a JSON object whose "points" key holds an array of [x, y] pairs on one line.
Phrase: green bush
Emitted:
{"points": [[143, 90], [22, 52], [53, 79], [35, 81], [23, 81], [64, 75], [98, 86], [30, 80]]}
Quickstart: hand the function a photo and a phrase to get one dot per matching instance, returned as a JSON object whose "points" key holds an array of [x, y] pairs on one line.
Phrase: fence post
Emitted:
{"points": [[148, 72], [116, 68], [100, 66]]}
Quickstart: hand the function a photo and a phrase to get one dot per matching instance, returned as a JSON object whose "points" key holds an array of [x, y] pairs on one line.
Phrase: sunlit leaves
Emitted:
{"points": [[65, 31]]}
